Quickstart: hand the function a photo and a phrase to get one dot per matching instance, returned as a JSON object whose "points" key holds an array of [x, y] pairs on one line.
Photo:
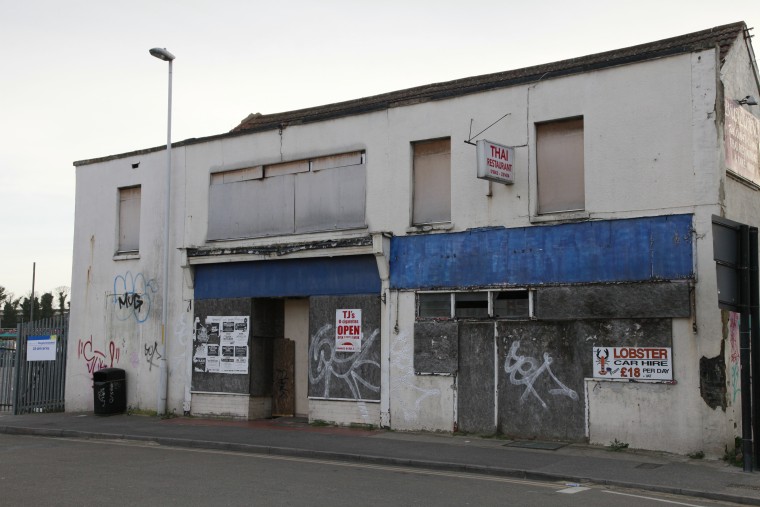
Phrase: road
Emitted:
{"points": [[52, 471]]}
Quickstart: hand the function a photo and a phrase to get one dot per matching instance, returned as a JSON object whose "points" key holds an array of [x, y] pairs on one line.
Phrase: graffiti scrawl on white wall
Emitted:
{"points": [[524, 371], [96, 359]]}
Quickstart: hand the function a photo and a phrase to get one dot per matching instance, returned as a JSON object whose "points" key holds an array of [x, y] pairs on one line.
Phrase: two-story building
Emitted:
{"points": [[373, 262]]}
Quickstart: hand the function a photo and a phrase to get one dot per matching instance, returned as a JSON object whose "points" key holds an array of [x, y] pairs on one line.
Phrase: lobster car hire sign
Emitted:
{"points": [[633, 363]]}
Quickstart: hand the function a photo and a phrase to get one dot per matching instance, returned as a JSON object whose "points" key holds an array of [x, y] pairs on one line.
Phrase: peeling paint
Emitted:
{"points": [[712, 379]]}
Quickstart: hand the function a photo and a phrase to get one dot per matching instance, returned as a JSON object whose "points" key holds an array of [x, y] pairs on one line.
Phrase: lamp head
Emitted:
{"points": [[748, 100], [162, 54]]}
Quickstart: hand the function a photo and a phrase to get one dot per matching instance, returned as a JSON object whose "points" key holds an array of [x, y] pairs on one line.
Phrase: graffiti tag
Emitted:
{"points": [[97, 359], [133, 296], [525, 371], [151, 354], [324, 364]]}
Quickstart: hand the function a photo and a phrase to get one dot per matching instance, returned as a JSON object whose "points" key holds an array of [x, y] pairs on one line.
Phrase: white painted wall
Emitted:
{"points": [[652, 147], [416, 402], [101, 333]]}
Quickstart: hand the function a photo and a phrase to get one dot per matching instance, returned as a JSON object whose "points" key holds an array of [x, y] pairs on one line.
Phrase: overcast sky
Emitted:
{"points": [[77, 81]]}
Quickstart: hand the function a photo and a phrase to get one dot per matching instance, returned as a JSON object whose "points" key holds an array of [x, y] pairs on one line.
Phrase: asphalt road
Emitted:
{"points": [[51, 471]]}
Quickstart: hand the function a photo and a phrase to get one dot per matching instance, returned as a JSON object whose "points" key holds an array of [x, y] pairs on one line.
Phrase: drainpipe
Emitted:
{"points": [[381, 247], [744, 344], [754, 311]]}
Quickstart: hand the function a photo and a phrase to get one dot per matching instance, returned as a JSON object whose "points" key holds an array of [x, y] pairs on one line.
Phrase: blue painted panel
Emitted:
{"points": [[640, 249], [284, 278]]}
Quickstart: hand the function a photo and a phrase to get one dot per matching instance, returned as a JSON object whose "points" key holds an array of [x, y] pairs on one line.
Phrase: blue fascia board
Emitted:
{"points": [[603, 251], [288, 278]]}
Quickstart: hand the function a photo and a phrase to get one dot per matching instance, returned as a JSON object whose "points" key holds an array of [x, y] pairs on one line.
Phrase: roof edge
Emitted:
{"points": [[721, 37]]}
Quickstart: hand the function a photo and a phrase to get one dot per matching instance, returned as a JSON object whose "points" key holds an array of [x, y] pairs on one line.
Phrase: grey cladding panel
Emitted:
{"points": [[542, 365], [251, 208], [284, 202], [436, 347], [540, 381], [344, 375], [476, 395], [330, 199], [219, 382], [645, 300]]}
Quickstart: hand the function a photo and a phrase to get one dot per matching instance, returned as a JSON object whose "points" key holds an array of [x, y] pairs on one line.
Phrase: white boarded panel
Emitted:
{"points": [[273, 170], [335, 161], [251, 208], [333, 199]]}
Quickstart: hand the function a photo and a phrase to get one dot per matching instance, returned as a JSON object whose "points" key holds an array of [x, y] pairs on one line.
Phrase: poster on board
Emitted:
{"points": [[633, 363], [348, 330], [221, 345]]}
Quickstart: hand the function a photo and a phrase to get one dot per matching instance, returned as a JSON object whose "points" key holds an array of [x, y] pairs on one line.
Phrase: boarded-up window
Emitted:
{"points": [[432, 182], [331, 195], [509, 304], [129, 219], [434, 305], [320, 194], [559, 166]]}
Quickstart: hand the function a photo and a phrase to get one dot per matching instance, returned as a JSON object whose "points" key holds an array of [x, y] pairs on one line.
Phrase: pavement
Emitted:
{"points": [[569, 463]]}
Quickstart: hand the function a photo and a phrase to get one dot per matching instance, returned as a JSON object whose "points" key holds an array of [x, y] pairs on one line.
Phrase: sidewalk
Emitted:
{"points": [[573, 463]]}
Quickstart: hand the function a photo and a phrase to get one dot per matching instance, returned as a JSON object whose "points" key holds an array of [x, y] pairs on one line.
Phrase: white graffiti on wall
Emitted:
{"points": [[524, 371], [403, 378], [324, 364]]}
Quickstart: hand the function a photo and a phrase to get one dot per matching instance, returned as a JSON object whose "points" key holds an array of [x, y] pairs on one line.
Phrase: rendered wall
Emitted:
{"points": [[417, 402], [117, 299], [662, 160]]}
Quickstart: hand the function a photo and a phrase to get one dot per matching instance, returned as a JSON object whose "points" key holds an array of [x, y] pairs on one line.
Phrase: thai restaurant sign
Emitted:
{"points": [[742, 142], [633, 363], [495, 162]]}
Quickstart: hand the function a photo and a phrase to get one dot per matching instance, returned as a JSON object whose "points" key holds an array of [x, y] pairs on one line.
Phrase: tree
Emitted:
{"points": [[63, 293], [10, 315], [46, 306], [3, 294], [26, 307]]}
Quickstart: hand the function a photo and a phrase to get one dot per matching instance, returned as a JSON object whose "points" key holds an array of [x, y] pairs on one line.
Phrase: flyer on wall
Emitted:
{"points": [[221, 345]]}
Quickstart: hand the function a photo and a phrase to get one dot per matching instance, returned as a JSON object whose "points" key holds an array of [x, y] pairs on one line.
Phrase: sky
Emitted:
{"points": [[77, 81]]}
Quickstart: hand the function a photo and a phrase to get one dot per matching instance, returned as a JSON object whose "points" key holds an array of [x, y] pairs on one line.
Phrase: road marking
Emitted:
{"points": [[652, 498], [573, 490]]}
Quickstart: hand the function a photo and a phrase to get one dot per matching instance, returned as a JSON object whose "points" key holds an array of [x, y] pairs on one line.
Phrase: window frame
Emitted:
{"points": [[133, 214], [419, 198], [577, 169], [491, 295]]}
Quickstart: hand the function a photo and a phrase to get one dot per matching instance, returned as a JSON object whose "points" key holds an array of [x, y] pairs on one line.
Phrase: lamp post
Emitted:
{"points": [[163, 386]]}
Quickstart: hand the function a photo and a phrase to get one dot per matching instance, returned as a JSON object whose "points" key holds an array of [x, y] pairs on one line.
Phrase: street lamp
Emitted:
{"points": [[163, 386]]}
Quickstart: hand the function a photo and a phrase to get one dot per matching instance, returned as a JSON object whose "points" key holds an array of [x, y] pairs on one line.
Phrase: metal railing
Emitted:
{"points": [[36, 383]]}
